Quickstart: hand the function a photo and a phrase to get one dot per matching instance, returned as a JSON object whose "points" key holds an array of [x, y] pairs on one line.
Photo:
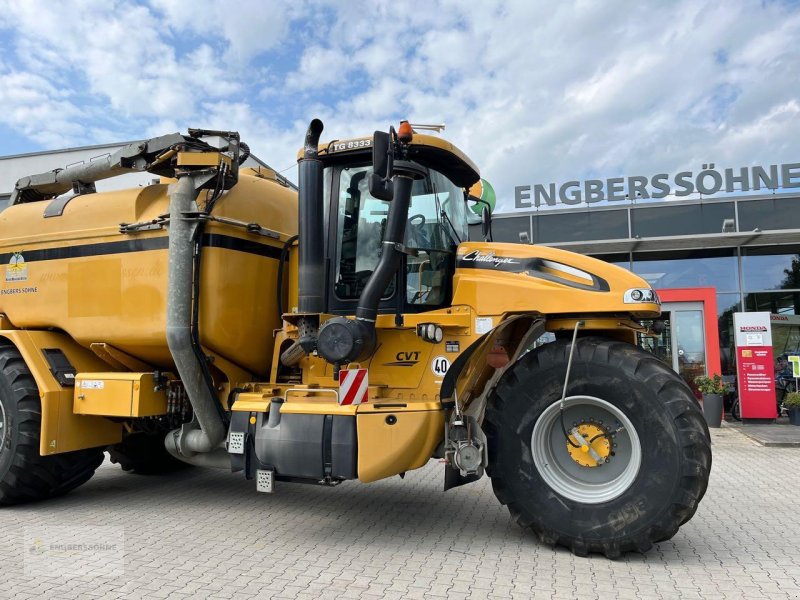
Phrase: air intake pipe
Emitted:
{"points": [[311, 279], [393, 239]]}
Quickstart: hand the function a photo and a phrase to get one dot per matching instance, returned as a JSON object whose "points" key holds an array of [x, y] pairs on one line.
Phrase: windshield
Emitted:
{"points": [[436, 225]]}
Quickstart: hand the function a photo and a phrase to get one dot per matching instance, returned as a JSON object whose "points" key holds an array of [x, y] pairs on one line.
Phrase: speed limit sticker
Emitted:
{"points": [[440, 365]]}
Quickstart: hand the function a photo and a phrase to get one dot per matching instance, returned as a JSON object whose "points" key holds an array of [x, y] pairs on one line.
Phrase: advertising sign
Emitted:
{"points": [[755, 365]]}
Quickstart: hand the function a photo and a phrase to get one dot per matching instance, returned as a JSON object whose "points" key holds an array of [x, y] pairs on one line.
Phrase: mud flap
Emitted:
{"points": [[453, 478]]}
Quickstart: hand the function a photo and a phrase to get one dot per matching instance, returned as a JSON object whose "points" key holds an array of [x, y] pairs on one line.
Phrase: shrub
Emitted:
{"points": [[792, 400], [711, 385]]}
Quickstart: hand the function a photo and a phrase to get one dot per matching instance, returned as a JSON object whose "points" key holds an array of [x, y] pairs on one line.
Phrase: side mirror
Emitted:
{"points": [[486, 224], [380, 181]]}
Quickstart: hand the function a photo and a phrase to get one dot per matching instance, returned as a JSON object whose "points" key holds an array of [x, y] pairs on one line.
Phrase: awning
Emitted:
{"points": [[681, 242]]}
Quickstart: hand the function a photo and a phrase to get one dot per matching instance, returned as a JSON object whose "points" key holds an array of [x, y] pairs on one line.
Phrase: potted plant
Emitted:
{"points": [[713, 389], [792, 403]]}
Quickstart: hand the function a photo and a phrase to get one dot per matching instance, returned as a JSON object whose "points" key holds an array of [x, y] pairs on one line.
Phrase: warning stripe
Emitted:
{"points": [[353, 386]]}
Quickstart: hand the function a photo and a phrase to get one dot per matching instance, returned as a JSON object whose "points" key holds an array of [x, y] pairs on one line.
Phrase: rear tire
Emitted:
{"points": [[25, 475], [145, 454], [644, 500], [736, 410]]}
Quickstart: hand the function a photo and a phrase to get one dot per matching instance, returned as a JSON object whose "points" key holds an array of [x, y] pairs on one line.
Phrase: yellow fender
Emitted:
{"points": [[62, 430]]}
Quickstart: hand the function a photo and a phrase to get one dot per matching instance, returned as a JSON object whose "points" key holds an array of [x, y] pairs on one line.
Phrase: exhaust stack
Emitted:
{"points": [[311, 284], [311, 276]]}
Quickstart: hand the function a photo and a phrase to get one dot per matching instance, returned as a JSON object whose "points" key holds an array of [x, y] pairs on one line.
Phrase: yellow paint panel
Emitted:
{"points": [[385, 450], [252, 402], [94, 287], [316, 408]]}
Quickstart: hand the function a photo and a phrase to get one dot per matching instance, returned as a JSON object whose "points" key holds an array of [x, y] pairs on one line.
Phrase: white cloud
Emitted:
{"points": [[534, 91]]}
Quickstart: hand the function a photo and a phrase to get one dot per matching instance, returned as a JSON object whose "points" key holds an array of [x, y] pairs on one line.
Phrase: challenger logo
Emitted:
{"points": [[490, 257]]}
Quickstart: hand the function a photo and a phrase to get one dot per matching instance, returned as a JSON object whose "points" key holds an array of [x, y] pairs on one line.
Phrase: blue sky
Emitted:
{"points": [[534, 91]]}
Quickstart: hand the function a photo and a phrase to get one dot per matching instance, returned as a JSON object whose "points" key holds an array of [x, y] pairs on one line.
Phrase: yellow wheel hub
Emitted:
{"points": [[601, 445]]}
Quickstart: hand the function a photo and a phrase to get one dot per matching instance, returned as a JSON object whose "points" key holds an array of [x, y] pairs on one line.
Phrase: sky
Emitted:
{"points": [[533, 91]]}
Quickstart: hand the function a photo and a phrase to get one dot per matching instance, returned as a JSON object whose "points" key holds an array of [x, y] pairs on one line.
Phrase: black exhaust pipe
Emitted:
{"points": [[311, 276], [311, 279]]}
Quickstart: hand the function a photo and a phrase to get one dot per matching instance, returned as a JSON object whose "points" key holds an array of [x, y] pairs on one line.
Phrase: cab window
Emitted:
{"points": [[436, 225]]}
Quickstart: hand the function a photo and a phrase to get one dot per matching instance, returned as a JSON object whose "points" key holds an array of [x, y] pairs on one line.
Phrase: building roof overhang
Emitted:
{"points": [[682, 242]]}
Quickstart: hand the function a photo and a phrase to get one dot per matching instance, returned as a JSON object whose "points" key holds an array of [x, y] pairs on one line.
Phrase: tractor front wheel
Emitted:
{"points": [[619, 465]]}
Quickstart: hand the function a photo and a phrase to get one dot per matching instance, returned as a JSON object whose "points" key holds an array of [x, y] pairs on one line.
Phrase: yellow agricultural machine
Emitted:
{"points": [[348, 329]]}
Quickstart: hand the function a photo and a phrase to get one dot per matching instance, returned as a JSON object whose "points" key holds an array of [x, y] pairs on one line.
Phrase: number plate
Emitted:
{"points": [[346, 145]]}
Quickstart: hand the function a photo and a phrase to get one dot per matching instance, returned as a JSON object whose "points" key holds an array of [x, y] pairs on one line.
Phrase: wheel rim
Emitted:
{"points": [[558, 468]]}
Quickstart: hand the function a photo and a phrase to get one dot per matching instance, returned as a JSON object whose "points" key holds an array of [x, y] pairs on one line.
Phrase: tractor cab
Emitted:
{"points": [[356, 221]]}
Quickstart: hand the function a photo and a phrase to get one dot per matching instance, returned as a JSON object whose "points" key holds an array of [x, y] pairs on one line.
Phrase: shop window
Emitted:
{"points": [[772, 213], [581, 226], [657, 221], [504, 229], [771, 268], [689, 268], [779, 303]]}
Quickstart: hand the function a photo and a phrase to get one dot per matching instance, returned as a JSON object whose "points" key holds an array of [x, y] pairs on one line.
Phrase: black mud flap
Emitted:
{"points": [[453, 478]]}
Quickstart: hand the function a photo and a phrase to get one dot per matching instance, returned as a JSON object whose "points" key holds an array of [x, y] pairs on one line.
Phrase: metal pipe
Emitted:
{"points": [[216, 459], [135, 157], [311, 278], [188, 440]]}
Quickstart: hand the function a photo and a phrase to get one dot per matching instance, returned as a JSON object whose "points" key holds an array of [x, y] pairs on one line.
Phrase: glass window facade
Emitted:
{"points": [[578, 227], [689, 268], [770, 213], [657, 221], [504, 230], [771, 268]]}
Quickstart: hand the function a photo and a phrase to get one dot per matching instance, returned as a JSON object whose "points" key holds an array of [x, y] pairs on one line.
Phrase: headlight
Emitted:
{"points": [[641, 295], [430, 332]]}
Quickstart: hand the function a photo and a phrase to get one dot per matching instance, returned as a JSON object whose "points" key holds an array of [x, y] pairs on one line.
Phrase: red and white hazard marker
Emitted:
{"points": [[353, 386]]}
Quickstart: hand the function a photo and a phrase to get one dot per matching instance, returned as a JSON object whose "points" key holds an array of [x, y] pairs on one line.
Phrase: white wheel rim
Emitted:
{"points": [[588, 485]]}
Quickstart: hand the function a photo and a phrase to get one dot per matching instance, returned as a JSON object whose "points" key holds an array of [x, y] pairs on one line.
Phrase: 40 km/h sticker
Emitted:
{"points": [[440, 365]]}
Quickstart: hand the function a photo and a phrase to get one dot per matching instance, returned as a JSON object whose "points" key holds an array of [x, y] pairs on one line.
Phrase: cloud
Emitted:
{"points": [[534, 91]]}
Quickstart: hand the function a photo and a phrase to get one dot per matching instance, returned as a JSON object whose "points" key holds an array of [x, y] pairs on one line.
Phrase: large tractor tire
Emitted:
{"points": [[145, 454], [24, 474], [650, 455]]}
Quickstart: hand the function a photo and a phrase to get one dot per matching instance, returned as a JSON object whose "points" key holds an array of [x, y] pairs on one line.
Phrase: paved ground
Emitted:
{"points": [[780, 434], [209, 534]]}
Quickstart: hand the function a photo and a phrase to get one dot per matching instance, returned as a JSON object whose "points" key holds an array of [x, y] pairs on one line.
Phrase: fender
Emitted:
{"points": [[471, 379], [62, 430]]}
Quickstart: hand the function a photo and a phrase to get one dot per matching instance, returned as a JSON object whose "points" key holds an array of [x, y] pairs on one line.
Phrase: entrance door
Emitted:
{"points": [[682, 344], [688, 339]]}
